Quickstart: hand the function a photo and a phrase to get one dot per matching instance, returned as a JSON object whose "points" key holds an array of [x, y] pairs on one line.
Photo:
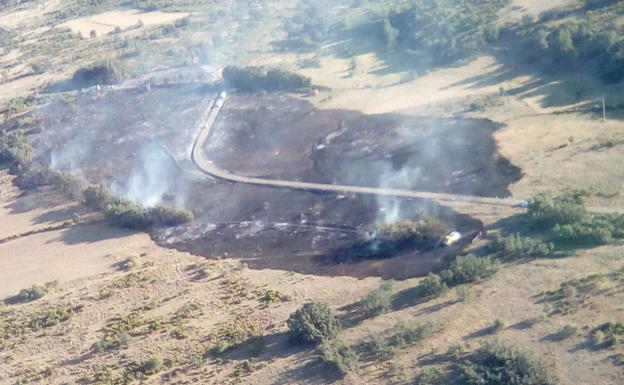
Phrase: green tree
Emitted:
{"points": [[313, 322]]}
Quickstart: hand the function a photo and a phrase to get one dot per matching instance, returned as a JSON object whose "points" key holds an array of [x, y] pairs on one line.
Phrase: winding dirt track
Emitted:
{"points": [[207, 167]]}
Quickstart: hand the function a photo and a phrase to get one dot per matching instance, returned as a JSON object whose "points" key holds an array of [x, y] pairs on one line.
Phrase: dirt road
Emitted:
{"points": [[207, 167]]}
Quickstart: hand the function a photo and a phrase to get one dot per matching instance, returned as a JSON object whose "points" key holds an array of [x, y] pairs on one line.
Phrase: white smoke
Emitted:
{"points": [[155, 174]]}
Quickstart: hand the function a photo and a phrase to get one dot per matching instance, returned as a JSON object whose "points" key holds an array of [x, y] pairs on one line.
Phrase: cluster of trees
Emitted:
{"points": [[516, 246], [574, 46], [311, 24], [258, 78], [567, 222], [447, 30]]}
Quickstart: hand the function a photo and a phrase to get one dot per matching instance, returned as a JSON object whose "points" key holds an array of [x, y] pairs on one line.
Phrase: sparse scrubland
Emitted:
{"points": [[535, 299]]}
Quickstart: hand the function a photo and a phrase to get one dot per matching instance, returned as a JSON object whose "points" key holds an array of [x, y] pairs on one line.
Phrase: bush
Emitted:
{"points": [[591, 233], [608, 334], [65, 183], [151, 366], [498, 364], [263, 78], [517, 246], [97, 196], [313, 322], [32, 294], [378, 346], [499, 324], [124, 213], [431, 376], [379, 300], [566, 332], [16, 150], [545, 212], [569, 224], [169, 216], [431, 286], [339, 357], [103, 72], [469, 268], [405, 335], [426, 230]]}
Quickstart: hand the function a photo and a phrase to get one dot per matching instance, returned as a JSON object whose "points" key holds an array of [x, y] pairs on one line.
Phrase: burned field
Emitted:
{"points": [[137, 141], [277, 136]]}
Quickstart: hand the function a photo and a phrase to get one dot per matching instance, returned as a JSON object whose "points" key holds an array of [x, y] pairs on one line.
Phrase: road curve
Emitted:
{"points": [[207, 167]]}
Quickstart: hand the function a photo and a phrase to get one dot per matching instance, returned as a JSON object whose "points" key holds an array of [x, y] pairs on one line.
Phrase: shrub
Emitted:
{"points": [[566, 332], [608, 334], [498, 364], [569, 223], [431, 376], [379, 346], [469, 268], [263, 78], [271, 296], [431, 286], [313, 322], [103, 72], [97, 196], [463, 293], [339, 357], [16, 150], [17, 105], [65, 183], [591, 233], [169, 216], [405, 335], [114, 340], [379, 300], [499, 324], [32, 294], [151, 366], [126, 214], [545, 212], [517, 246], [425, 229]]}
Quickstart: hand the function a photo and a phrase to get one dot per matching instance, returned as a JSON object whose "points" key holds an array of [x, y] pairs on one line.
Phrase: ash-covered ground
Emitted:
{"points": [[278, 136], [137, 142]]}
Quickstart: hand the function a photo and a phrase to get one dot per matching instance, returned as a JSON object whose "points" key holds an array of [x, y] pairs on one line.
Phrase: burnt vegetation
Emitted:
{"points": [[389, 240]]}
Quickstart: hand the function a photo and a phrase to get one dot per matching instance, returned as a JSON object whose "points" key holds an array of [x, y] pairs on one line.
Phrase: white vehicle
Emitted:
{"points": [[451, 238]]}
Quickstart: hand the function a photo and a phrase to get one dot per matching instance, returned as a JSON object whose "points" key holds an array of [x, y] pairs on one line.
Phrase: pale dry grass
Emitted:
{"points": [[106, 22]]}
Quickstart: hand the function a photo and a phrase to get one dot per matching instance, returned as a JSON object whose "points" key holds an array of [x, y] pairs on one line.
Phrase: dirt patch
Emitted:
{"points": [[106, 22]]}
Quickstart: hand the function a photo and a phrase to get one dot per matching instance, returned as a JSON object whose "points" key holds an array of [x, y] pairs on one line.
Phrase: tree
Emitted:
{"points": [[313, 322]]}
